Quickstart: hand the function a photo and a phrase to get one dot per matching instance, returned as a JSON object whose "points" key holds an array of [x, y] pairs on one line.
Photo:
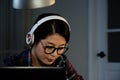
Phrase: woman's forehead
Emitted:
{"points": [[55, 39]]}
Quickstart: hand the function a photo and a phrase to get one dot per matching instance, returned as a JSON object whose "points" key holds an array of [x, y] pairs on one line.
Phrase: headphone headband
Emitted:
{"points": [[46, 19]]}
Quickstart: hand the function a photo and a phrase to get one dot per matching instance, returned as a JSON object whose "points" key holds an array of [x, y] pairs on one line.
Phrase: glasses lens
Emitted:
{"points": [[49, 49], [61, 50]]}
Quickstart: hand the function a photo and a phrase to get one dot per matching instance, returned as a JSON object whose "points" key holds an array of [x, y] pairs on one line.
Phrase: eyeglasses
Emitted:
{"points": [[52, 49]]}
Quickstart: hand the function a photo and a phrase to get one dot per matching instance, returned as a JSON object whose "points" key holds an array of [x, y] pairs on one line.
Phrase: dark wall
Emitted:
{"points": [[14, 24]]}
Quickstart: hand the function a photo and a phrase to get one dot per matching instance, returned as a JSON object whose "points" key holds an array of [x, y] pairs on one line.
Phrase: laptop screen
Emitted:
{"points": [[33, 73]]}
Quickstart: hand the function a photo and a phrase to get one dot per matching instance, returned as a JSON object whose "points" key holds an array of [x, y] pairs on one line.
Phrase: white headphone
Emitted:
{"points": [[30, 35]]}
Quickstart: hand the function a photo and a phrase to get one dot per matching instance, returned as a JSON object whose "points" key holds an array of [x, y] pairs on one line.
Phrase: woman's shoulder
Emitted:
{"points": [[24, 53], [15, 59]]}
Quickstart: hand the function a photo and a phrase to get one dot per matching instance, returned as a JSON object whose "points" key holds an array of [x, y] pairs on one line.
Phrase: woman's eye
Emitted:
{"points": [[49, 47], [61, 48]]}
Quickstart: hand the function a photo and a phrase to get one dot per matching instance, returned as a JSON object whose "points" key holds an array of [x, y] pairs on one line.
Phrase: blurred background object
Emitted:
{"points": [[31, 4]]}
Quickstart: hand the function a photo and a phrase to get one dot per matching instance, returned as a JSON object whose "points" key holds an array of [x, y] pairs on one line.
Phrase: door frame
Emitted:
{"points": [[96, 14]]}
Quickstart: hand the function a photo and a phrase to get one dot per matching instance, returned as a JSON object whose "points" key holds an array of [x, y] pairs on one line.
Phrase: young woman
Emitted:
{"points": [[48, 40]]}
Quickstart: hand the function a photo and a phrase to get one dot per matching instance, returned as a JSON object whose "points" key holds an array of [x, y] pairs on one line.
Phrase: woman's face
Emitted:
{"points": [[46, 46]]}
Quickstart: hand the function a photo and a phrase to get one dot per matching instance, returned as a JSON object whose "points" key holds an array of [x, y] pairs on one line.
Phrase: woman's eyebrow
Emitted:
{"points": [[55, 44]]}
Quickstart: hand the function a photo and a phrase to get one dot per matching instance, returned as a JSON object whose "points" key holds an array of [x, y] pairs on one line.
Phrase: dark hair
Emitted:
{"points": [[50, 27]]}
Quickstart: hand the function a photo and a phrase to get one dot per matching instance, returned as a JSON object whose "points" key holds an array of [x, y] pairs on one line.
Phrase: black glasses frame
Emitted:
{"points": [[45, 47]]}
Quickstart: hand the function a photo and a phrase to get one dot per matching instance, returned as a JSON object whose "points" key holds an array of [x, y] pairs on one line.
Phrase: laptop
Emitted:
{"points": [[32, 73]]}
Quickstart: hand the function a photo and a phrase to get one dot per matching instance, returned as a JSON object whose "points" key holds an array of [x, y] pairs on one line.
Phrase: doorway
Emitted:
{"points": [[104, 49]]}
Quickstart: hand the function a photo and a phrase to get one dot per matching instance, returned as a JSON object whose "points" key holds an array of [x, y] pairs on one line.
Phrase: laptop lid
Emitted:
{"points": [[33, 73]]}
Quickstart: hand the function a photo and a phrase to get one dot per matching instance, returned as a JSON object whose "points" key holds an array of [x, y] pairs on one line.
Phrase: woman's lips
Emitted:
{"points": [[50, 60]]}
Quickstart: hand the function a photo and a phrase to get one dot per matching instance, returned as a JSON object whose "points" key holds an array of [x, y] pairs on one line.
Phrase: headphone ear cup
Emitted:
{"points": [[29, 39]]}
